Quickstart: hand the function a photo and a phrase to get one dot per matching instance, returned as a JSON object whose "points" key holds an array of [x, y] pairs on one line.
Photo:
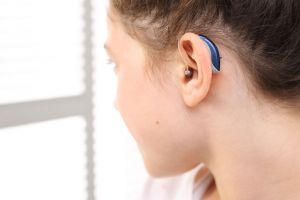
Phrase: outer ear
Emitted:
{"points": [[195, 55]]}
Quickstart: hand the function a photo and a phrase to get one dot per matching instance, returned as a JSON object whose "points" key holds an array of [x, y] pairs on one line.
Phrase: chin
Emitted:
{"points": [[162, 170], [156, 170], [158, 173]]}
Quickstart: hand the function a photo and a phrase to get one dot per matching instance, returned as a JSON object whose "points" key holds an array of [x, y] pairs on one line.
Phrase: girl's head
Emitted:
{"points": [[177, 120]]}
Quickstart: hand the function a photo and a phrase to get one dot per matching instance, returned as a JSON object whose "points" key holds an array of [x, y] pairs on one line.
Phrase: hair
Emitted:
{"points": [[265, 34]]}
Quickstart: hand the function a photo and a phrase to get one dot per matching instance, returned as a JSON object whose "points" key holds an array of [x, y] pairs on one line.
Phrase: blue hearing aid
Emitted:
{"points": [[214, 52]]}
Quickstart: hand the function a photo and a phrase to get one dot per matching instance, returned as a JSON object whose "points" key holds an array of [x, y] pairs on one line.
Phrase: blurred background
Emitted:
{"points": [[60, 135]]}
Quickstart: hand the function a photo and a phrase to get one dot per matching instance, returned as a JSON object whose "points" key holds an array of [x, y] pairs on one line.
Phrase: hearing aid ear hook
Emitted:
{"points": [[214, 52], [215, 57]]}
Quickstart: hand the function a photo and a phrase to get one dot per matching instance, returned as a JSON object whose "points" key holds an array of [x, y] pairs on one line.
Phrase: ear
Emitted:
{"points": [[195, 55]]}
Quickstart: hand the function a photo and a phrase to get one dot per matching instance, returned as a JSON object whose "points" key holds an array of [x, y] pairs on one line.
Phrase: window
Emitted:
{"points": [[46, 109]]}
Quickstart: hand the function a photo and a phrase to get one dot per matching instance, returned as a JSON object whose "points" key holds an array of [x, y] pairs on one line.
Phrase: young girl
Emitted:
{"points": [[214, 82]]}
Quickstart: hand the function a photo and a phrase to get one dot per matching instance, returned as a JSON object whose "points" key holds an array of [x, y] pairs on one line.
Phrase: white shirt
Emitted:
{"points": [[182, 187]]}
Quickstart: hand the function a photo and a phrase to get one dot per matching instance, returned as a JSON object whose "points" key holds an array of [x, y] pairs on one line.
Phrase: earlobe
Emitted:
{"points": [[197, 71], [194, 93]]}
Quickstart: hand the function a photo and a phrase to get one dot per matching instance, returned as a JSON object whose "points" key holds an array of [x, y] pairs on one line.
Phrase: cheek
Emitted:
{"points": [[133, 100], [151, 115], [127, 90]]}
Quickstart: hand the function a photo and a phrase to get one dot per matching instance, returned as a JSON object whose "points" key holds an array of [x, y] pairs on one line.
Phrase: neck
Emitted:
{"points": [[264, 164]]}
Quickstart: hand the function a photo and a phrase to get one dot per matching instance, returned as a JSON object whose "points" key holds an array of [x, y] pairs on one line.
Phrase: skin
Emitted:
{"points": [[248, 143]]}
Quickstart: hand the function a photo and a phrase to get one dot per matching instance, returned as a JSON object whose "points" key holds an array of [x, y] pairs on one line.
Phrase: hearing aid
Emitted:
{"points": [[188, 73], [214, 52], [215, 57]]}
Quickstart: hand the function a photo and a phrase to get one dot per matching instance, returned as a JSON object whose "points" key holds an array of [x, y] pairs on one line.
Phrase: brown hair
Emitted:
{"points": [[265, 34]]}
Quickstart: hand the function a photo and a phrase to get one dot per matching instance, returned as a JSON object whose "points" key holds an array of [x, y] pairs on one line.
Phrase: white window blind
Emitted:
{"points": [[41, 49]]}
